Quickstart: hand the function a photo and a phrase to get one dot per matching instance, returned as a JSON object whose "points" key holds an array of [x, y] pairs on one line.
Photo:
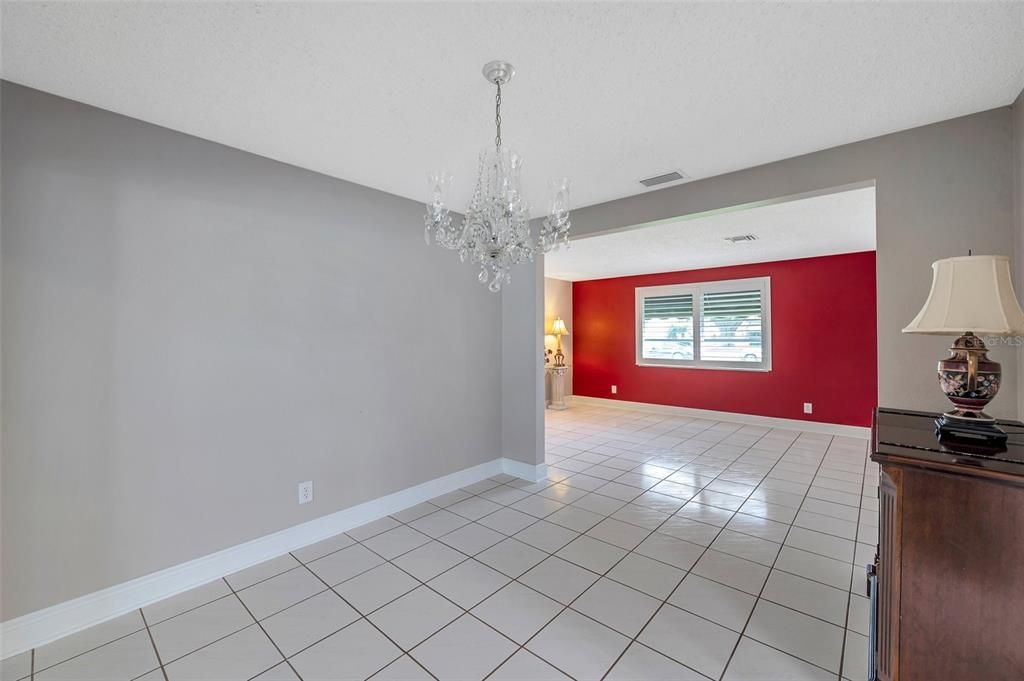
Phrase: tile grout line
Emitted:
{"points": [[465, 611], [731, 461], [849, 598], [84, 652], [734, 513], [219, 638], [601, 576], [761, 593], [368, 621], [194, 608], [687, 573], [511, 580], [583, 533], [690, 572], [152, 642], [568, 606], [649, 532], [260, 625]]}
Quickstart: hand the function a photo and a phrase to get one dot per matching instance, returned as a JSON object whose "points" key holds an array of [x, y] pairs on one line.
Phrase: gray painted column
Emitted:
{"points": [[522, 374]]}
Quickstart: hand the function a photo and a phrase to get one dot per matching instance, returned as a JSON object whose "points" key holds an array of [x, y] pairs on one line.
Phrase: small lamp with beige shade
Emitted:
{"points": [[558, 330], [971, 296]]}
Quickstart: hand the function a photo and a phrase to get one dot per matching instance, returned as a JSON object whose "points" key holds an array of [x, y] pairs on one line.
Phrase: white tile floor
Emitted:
{"points": [[660, 548]]}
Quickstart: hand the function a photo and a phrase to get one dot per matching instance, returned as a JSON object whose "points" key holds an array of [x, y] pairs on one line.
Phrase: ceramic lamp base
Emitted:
{"points": [[970, 380]]}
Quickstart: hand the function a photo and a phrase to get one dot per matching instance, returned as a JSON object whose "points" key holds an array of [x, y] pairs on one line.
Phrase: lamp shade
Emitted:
{"points": [[558, 328], [970, 293]]}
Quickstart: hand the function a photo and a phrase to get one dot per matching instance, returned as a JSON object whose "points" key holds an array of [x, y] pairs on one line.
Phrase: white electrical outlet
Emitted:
{"points": [[808, 408], [615, 390], [306, 492]]}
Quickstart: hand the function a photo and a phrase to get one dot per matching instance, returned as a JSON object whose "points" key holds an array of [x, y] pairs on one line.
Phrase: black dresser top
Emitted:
{"points": [[906, 437]]}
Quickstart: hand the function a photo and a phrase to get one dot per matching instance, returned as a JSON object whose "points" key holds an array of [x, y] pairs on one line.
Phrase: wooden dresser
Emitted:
{"points": [[950, 566]]}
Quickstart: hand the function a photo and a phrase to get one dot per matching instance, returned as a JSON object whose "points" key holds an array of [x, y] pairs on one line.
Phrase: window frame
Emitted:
{"points": [[697, 290]]}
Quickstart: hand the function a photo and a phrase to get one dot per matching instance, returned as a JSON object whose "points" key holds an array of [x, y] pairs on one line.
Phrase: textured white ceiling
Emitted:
{"points": [[606, 93], [842, 222]]}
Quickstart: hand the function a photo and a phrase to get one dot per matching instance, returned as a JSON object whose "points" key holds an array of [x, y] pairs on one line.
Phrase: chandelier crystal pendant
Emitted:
{"points": [[495, 230]]}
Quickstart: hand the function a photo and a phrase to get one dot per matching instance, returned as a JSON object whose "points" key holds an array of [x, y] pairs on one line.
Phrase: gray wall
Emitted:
{"points": [[940, 190], [189, 331]]}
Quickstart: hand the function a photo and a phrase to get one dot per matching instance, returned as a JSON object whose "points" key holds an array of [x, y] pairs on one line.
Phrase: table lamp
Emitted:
{"points": [[970, 295], [558, 330]]}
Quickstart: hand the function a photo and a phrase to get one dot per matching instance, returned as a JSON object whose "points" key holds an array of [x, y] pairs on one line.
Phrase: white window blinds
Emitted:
{"points": [[724, 324]]}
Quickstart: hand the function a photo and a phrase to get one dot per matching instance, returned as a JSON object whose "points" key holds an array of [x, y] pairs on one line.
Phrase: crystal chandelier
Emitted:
{"points": [[495, 230]]}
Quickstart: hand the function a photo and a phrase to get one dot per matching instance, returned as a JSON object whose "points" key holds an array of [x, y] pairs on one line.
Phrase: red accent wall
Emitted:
{"points": [[824, 343]]}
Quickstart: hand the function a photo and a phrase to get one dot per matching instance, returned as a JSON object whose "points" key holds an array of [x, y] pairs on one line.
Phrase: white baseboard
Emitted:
{"points": [[525, 470], [43, 626], [861, 432]]}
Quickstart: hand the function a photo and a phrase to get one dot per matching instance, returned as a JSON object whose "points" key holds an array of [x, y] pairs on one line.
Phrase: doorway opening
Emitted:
{"points": [[744, 310]]}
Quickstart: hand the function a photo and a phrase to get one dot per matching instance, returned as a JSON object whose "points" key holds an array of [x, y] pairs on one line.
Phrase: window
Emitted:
{"points": [[717, 324]]}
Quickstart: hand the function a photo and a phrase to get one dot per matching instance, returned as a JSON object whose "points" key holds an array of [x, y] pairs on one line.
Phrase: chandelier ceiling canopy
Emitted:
{"points": [[494, 232]]}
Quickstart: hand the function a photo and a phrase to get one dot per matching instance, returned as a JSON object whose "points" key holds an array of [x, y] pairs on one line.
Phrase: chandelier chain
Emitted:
{"points": [[497, 115]]}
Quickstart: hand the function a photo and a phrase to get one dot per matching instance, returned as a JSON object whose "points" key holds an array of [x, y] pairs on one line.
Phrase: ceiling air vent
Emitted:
{"points": [[662, 179], [740, 238]]}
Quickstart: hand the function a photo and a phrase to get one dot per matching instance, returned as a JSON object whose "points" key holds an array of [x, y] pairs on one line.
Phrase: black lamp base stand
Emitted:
{"points": [[975, 428]]}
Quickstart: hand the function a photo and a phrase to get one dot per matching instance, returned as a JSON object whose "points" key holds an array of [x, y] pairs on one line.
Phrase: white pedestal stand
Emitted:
{"points": [[557, 386]]}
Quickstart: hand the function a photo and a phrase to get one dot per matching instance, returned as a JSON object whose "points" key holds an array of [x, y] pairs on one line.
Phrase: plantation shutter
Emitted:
{"points": [[731, 326], [668, 326]]}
